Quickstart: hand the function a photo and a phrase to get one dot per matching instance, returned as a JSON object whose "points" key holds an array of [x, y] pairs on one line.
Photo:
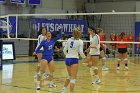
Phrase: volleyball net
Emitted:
{"points": [[22, 29]]}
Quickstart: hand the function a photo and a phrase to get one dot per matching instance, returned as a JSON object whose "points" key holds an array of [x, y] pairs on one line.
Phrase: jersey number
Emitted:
{"points": [[50, 47], [71, 44]]}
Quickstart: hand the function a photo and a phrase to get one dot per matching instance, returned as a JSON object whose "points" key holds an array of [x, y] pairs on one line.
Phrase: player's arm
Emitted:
{"points": [[38, 42], [92, 46], [90, 37], [39, 47], [87, 50], [59, 34], [65, 48], [81, 50]]}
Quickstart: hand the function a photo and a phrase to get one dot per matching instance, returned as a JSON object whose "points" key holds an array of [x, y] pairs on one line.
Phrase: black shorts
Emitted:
{"points": [[101, 48], [113, 45], [107, 51], [122, 50]]}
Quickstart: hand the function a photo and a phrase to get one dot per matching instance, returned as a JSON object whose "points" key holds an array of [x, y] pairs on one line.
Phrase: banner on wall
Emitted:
{"points": [[11, 25], [52, 25], [18, 1]]}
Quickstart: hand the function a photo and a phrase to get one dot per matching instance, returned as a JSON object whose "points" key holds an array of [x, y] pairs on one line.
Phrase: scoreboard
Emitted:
{"points": [[30, 2], [18, 1], [34, 2], [1, 1]]}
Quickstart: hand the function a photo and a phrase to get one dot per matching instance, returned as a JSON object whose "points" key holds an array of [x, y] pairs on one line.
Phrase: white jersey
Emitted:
{"points": [[73, 48], [95, 41], [64, 43], [40, 39]]}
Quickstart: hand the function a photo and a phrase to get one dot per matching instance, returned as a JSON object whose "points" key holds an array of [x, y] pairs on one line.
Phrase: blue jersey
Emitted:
{"points": [[48, 46]]}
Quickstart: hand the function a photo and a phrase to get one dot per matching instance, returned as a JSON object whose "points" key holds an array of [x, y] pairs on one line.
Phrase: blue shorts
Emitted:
{"points": [[96, 55], [71, 61], [48, 58]]}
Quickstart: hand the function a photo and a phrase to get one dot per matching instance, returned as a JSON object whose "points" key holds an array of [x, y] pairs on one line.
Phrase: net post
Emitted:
{"points": [[1, 43], [8, 30], [16, 25]]}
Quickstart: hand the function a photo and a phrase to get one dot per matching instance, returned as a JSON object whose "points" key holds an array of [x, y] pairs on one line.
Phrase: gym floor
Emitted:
{"points": [[18, 77]]}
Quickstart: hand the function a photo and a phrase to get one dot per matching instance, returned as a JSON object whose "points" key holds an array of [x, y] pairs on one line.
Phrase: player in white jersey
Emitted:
{"points": [[41, 37], [94, 53], [72, 49]]}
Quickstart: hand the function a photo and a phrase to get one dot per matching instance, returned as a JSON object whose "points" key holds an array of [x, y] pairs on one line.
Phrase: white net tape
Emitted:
{"points": [[66, 40], [66, 14]]}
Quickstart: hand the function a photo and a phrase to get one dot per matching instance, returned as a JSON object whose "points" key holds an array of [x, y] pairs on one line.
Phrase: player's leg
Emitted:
{"points": [[131, 51], [120, 56], [138, 49], [95, 60], [113, 50], [74, 70], [87, 60], [111, 45], [39, 57], [102, 54], [67, 81], [42, 70], [51, 67], [125, 56]]}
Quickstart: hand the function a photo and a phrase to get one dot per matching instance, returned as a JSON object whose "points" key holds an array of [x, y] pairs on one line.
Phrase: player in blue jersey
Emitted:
{"points": [[47, 57], [72, 49]]}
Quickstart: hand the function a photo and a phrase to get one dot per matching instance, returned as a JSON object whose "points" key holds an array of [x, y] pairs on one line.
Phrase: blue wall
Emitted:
{"points": [[137, 32]]}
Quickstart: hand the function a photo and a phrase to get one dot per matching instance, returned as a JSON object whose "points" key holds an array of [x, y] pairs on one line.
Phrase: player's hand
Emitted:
{"points": [[92, 46], [60, 27], [34, 53], [87, 50]]}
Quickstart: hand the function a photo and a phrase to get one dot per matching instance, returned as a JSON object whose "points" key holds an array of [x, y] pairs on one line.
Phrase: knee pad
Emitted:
{"points": [[119, 59], [125, 59], [38, 64], [104, 58], [72, 81], [94, 68]]}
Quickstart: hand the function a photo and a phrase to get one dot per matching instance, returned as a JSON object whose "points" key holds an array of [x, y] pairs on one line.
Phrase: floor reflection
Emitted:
{"points": [[7, 73]]}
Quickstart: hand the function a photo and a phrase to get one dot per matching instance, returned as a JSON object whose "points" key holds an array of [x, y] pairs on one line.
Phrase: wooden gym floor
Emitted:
{"points": [[18, 78]]}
